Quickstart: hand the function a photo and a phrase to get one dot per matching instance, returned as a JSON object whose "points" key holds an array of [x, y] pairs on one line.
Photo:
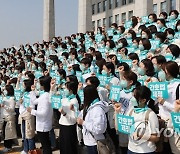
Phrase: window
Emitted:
{"points": [[123, 17], [123, 2], [130, 14], [93, 9], [104, 21], [172, 4], [104, 5], [116, 3], [117, 19], [99, 23], [99, 7], [163, 6], [131, 1], [110, 21], [155, 8], [93, 25], [110, 4]]}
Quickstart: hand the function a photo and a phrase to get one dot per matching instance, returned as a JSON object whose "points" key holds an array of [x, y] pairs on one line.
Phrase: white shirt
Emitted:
{"points": [[44, 113], [32, 96], [146, 146], [71, 116], [168, 106]]}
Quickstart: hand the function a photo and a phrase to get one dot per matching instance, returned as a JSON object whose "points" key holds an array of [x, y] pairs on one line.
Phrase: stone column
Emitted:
{"points": [[84, 15], [143, 7], [48, 20]]}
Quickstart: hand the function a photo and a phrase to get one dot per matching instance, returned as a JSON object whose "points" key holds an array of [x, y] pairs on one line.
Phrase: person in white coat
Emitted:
{"points": [[93, 118], [8, 116], [44, 115]]}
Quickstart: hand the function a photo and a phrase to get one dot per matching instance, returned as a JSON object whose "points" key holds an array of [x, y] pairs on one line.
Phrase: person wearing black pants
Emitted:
{"points": [[43, 114], [45, 141]]}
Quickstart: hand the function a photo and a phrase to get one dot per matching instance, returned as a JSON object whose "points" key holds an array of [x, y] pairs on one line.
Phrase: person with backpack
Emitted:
{"points": [[93, 119], [146, 126]]}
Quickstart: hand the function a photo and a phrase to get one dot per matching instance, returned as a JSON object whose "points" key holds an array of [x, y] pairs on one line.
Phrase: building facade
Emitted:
{"points": [[97, 13]]}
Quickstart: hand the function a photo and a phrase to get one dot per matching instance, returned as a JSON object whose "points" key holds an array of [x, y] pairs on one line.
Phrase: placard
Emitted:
{"points": [[56, 101], [125, 123], [115, 93], [158, 89]]}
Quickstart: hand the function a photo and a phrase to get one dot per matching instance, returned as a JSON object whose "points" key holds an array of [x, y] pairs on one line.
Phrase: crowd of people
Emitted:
{"points": [[67, 84]]}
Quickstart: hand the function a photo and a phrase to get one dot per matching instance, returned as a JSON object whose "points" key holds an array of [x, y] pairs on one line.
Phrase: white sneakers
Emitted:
{"points": [[23, 152]]}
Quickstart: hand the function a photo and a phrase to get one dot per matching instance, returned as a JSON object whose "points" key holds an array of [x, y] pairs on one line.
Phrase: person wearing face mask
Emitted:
{"points": [[8, 115], [163, 15], [173, 16], [169, 35], [146, 72], [143, 141], [152, 19], [110, 45], [159, 62], [128, 83], [173, 53], [26, 119], [44, 115], [146, 34], [130, 36], [161, 25], [135, 62], [99, 36], [167, 105], [144, 47], [69, 112], [135, 44], [85, 68], [73, 57]]}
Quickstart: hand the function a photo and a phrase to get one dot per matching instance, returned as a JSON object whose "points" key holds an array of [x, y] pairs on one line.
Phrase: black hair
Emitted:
{"points": [[45, 82], [146, 43], [175, 50], [86, 61], [133, 56], [111, 66], [149, 67], [94, 81], [90, 94], [143, 92], [153, 29], [10, 90], [154, 16], [73, 87], [62, 72], [125, 65], [28, 84]]}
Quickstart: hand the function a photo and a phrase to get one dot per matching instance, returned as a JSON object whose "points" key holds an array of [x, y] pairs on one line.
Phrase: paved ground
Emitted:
{"points": [[18, 147]]}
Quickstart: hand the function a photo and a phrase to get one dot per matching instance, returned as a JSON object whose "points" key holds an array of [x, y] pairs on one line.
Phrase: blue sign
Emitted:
{"points": [[125, 124], [18, 94], [81, 95], [158, 89], [38, 74], [115, 93], [79, 76], [176, 121], [1, 99], [110, 32], [56, 101], [26, 101], [102, 79]]}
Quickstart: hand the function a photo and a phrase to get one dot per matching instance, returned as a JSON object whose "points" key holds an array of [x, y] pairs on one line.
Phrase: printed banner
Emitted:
{"points": [[158, 89], [125, 123]]}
